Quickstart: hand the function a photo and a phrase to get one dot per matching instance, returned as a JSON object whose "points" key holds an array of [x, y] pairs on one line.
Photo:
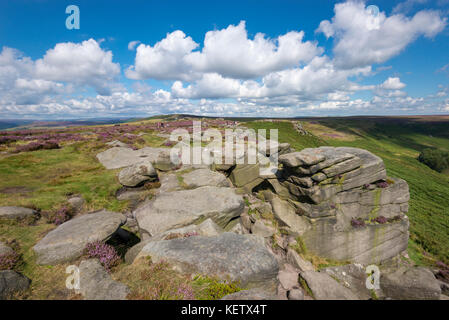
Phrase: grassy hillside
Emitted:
{"points": [[45, 179], [398, 142]]}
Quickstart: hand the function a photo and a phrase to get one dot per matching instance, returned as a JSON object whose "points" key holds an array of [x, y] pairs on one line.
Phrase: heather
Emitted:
{"points": [[105, 253], [45, 178], [9, 260], [61, 215]]}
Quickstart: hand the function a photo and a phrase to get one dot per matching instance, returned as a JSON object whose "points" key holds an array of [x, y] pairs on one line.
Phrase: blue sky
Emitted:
{"points": [[224, 58]]}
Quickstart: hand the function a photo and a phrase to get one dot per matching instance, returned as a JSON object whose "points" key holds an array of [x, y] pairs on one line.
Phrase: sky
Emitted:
{"points": [[283, 58]]}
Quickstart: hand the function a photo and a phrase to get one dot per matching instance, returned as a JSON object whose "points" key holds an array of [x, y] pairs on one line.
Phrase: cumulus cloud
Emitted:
{"points": [[364, 39], [229, 74], [230, 53], [392, 83], [318, 77], [59, 72], [227, 52], [82, 63], [408, 5], [165, 60]]}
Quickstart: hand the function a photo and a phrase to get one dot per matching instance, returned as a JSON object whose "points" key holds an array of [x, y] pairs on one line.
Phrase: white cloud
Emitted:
{"points": [[230, 53], [363, 39], [82, 63], [392, 83], [316, 78], [230, 74], [132, 45], [227, 52], [408, 5], [165, 60]]}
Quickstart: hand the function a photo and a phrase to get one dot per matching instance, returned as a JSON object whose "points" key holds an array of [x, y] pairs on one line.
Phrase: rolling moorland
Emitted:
{"points": [[45, 178]]}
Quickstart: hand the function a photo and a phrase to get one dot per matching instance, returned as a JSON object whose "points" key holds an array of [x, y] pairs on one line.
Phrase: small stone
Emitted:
{"points": [[297, 261], [16, 212], [4, 249], [96, 283], [288, 279], [76, 203], [295, 294], [262, 229]]}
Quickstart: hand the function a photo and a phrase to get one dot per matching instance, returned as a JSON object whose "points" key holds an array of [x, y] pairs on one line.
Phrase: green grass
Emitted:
{"points": [[286, 133], [47, 177], [44, 179], [47, 282]]}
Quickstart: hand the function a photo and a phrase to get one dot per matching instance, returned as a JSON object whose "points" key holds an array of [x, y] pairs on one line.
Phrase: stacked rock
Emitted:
{"points": [[351, 209], [316, 175]]}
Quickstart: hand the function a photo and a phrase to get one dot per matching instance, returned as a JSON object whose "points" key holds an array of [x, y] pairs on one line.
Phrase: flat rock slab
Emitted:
{"points": [[12, 282], [306, 157], [353, 277], [67, 241], [181, 208], [16, 212], [207, 228], [229, 256], [120, 157], [416, 283], [324, 287], [205, 177], [96, 283]]}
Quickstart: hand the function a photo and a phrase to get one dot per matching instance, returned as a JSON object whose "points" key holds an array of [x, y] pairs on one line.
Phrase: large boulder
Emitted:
{"points": [[204, 177], [96, 283], [324, 287], [373, 243], [228, 256], [317, 174], [120, 157], [16, 212], [67, 241], [416, 283], [207, 228], [11, 283], [349, 209], [181, 208], [137, 174]]}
